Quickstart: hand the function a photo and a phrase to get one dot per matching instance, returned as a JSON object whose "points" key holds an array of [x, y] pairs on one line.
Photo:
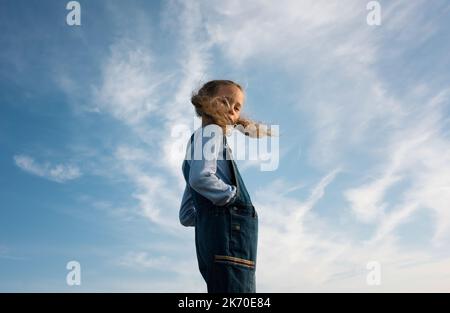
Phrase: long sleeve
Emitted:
{"points": [[202, 175], [187, 210]]}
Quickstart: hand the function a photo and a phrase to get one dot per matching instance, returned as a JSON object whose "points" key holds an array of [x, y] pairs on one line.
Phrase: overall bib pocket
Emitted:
{"points": [[243, 232]]}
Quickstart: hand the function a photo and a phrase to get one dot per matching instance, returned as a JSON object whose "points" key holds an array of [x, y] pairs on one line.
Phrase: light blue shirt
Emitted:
{"points": [[210, 174]]}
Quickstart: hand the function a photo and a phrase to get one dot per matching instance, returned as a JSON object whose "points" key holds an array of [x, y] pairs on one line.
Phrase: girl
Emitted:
{"points": [[215, 199]]}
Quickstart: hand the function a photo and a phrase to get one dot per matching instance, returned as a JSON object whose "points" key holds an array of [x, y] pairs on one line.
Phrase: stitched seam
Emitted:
{"points": [[234, 260], [235, 263]]}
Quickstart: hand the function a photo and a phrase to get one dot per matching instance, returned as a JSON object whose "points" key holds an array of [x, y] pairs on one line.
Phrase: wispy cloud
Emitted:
{"points": [[58, 172], [128, 89], [131, 90], [344, 97], [141, 260], [182, 268], [307, 253], [366, 201]]}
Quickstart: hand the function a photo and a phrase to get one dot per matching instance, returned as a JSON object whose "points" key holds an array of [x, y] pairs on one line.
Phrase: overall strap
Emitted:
{"points": [[228, 156]]}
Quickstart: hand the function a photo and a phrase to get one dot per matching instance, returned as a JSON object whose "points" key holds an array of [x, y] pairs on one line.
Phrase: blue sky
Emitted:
{"points": [[90, 169]]}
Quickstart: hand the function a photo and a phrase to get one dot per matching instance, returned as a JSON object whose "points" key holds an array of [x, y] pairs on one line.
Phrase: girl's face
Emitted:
{"points": [[235, 98]]}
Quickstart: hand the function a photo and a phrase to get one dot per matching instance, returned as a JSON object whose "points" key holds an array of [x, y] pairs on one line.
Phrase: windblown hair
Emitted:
{"points": [[207, 103]]}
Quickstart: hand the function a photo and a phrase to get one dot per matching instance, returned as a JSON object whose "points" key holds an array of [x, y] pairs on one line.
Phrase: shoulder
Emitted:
{"points": [[209, 138], [208, 133], [201, 136]]}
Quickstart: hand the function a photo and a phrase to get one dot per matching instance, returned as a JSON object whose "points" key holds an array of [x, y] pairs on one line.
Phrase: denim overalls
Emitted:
{"points": [[226, 236]]}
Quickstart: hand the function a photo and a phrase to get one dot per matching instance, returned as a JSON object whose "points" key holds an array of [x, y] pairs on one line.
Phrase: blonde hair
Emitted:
{"points": [[207, 103]]}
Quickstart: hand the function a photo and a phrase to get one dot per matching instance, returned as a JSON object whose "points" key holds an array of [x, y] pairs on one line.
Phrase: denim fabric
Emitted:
{"points": [[226, 237]]}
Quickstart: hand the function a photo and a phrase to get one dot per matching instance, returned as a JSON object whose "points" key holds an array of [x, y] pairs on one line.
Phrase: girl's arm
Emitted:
{"points": [[202, 175], [187, 210]]}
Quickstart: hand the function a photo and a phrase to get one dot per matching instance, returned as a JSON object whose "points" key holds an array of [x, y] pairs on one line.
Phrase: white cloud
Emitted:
{"points": [[137, 92], [154, 175], [131, 90], [182, 268], [129, 83], [332, 51], [305, 253], [419, 154], [157, 199], [367, 200], [296, 32], [59, 173], [141, 260]]}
